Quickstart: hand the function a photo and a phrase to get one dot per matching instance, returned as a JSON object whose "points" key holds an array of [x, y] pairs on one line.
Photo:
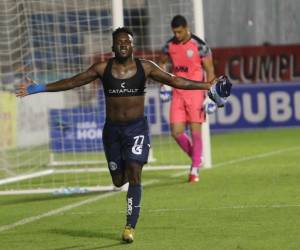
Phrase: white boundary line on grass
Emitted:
{"points": [[69, 171], [55, 211], [25, 177], [63, 209], [254, 157], [246, 158], [274, 206], [103, 196]]}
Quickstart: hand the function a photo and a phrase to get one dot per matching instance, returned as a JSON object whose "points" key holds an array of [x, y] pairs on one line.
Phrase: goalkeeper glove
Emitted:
{"points": [[220, 90], [209, 106], [165, 93]]}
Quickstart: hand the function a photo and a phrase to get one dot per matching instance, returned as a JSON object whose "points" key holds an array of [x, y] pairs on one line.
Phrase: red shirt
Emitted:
{"points": [[187, 57]]}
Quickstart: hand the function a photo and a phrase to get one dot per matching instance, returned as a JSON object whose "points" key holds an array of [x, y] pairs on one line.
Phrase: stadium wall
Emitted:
{"points": [[232, 22]]}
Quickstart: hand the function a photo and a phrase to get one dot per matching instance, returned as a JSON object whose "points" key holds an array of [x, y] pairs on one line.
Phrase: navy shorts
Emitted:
{"points": [[125, 142]]}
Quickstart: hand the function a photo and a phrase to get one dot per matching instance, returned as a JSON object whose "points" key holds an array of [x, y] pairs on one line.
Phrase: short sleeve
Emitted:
{"points": [[204, 51]]}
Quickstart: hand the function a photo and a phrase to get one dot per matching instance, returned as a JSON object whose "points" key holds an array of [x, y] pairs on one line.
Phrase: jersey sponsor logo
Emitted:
{"points": [[137, 148], [189, 53], [184, 69], [112, 166], [123, 85], [123, 91]]}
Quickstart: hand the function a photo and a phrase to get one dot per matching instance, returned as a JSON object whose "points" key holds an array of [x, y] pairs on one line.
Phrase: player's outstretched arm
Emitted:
{"points": [[159, 75], [30, 87], [219, 88]]}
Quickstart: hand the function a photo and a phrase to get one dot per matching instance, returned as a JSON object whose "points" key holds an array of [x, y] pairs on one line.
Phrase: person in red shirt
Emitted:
{"points": [[191, 58]]}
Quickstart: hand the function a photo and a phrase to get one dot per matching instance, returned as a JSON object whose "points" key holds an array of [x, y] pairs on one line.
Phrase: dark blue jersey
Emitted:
{"points": [[133, 86]]}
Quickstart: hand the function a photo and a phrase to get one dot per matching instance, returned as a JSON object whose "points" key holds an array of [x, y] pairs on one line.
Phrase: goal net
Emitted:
{"points": [[53, 141]]}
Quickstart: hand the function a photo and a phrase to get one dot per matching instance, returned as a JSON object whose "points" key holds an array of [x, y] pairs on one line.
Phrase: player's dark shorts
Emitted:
{"points": [[125, 142]]}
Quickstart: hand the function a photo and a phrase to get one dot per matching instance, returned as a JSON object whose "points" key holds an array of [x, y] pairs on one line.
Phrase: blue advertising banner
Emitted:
{"points": [[76, 130], [80, 129], [249, 106], [259, 106]]}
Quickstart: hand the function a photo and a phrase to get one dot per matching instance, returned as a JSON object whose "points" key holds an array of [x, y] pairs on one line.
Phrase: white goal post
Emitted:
{"points": [[51, 141], [199, 30]]}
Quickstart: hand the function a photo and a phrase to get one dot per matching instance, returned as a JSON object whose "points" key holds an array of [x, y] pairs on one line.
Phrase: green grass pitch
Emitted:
{"points": [[250, 200]]}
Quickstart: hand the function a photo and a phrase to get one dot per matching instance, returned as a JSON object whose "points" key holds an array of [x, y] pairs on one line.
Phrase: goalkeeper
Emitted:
{"points": [[190, 58], [125, 133]]}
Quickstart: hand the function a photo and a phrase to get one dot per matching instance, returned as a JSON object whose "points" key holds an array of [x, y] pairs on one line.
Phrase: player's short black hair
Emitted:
{"points": [[121, 30], [178, 21]]}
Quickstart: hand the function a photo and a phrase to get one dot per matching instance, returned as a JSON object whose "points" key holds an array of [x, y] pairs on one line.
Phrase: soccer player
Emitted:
{"points": [[190, 58], [125, 133]]}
